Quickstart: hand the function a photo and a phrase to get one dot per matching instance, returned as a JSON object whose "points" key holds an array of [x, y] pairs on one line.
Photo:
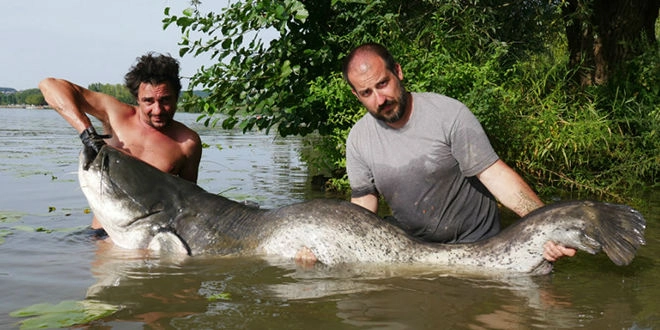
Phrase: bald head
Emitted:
{"points": [[355, 59]]}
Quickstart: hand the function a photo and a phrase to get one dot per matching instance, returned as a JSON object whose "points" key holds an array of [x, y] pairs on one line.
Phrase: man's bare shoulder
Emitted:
{"points": [[182, 133], [191, 146], [119, 113]]}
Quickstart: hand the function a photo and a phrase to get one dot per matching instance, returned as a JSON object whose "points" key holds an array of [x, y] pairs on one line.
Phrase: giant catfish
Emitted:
{"points": [[141, 207]]}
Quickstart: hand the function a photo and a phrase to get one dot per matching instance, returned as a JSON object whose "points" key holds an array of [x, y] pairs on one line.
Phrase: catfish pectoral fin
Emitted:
{"points": [[168, 242]]}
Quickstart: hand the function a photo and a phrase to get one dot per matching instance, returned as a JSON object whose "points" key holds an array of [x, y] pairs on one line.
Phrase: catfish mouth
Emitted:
{"points": [[105, 188], [140, 218], [116, 194]]}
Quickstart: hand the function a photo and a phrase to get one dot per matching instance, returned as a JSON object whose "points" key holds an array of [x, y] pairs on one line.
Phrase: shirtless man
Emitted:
{"points": [[146, 131]]}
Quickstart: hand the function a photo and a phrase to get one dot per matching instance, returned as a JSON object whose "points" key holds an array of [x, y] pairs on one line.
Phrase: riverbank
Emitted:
{"points": [[24, 106]]}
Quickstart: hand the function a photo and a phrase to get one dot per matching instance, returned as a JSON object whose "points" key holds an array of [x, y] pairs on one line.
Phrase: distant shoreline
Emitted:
{"points": [[23, 106]]}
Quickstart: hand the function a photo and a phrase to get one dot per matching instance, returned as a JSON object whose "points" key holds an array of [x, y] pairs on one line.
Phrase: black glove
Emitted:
{"points": [[93, 143]]}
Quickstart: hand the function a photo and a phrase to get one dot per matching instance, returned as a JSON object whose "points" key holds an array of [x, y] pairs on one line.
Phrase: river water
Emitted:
{"points": [[50, 264]]}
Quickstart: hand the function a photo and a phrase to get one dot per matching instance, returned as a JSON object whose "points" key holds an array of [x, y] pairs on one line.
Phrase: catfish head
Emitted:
{"points": [[134, 202]]}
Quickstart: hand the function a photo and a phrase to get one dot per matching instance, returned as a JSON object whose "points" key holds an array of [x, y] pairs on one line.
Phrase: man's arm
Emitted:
{"points": [[72, 102], [369, 202], [514, 193], [509, 188]]}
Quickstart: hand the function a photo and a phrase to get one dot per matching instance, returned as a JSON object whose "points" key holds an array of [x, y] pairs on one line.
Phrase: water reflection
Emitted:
{"points": [[254, 167], [221, 292], [262, 168]]}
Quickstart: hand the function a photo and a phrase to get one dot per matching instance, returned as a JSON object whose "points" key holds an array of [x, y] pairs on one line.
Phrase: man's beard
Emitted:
{"points": [[162, 122], [401, 101]]}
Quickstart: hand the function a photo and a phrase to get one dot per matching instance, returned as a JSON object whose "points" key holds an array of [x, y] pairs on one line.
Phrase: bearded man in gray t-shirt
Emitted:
{"points": [[429, 157]]}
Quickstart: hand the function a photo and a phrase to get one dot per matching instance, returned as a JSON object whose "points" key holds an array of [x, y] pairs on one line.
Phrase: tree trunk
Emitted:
{"points": [[603, 34]]}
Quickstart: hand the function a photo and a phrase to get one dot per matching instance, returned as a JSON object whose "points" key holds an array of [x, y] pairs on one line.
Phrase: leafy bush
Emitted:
{"points": [[601, 140]]}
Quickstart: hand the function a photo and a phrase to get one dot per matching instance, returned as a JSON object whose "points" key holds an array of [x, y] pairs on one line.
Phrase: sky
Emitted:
{"points": [[87, 41]]}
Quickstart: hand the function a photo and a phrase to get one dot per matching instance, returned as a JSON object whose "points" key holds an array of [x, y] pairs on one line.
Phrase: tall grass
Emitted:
{"points": [[600, 140]]}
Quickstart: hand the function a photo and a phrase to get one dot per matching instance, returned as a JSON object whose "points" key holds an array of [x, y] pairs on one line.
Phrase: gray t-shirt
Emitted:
{"points": [[426, 170]]}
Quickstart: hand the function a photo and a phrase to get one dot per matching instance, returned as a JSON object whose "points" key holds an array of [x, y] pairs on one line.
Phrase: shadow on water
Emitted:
{"points": [[47, 257]]}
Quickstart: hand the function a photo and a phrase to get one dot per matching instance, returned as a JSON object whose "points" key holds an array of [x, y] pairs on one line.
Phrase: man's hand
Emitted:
{"points": [[552, 252], [93, 143], [93, 140]]}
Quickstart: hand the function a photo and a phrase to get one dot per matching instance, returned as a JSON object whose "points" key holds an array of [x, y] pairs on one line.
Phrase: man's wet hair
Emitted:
{"points": [[153, 69], [370, 47]]}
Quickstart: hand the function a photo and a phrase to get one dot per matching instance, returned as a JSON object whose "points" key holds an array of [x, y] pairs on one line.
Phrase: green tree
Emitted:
{"points": [[603, 35], [509, 62], [8, 98], [31, 96], [35, 99], [265, 86], [293, 82], [119, 91]]}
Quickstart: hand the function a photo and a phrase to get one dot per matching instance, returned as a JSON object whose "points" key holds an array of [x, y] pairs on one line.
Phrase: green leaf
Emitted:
{"points": [[184, 22], [4, 233], [66, 314], [6, 216], [299, 11], [226, 44], [220, 296], [189, 12], [229, 123], [285, 69]]}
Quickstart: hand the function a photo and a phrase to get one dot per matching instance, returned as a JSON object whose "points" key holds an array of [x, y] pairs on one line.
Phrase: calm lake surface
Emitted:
{"points": [[46, 257]]}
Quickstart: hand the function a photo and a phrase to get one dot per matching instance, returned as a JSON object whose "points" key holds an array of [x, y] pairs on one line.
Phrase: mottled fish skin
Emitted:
{"points": [[141, 207]]}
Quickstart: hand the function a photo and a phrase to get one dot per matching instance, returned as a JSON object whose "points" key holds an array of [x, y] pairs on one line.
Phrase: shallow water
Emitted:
{"points": [[46, 257]]}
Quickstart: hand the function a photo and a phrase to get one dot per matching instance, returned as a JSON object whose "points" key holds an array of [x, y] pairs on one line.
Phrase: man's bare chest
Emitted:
{"points": [[156, 150]]}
